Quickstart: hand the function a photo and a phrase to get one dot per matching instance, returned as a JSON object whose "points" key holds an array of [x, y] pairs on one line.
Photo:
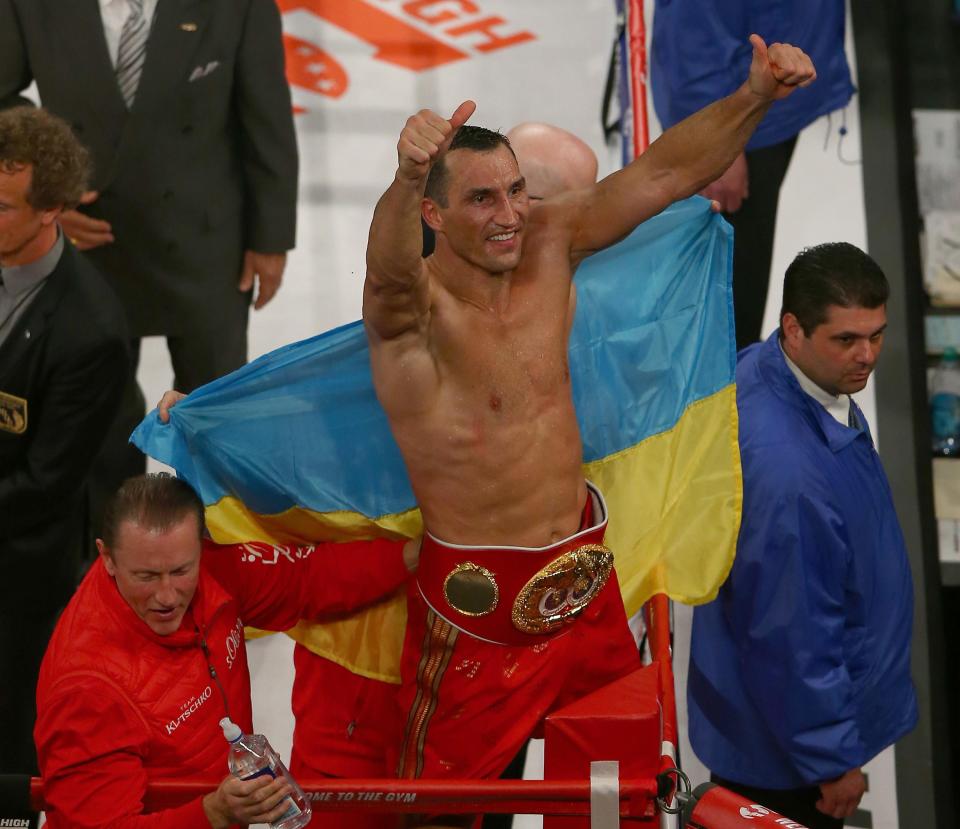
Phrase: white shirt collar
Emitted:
{"points": [[120, 8], [113, 9], [113, 14], [838, 406]]}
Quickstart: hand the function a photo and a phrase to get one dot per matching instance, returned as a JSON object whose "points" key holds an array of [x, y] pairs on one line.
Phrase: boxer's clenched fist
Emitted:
{"points": [[778, 69], [425, 137]]}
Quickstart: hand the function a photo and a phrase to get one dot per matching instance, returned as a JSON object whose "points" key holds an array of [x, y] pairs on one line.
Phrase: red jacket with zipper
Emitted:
{"points": [[119, 706]]}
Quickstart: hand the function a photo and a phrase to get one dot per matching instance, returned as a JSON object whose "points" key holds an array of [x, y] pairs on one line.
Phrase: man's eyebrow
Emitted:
{"points": [[843, 335], [478, 191], [146, 571]]}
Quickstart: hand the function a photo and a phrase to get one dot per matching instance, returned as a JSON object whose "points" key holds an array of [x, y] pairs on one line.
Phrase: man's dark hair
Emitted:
{"points": [[61, 164], [477, 139], [156, 501], [836, 273]]}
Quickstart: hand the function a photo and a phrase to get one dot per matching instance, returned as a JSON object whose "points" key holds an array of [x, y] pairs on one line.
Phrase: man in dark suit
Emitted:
{"points": [[63, 357], [186, 111]]}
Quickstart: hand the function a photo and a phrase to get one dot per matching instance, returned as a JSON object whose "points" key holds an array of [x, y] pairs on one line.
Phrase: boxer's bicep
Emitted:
{"points": [[609, 211], [394, 306], [396, 292]]}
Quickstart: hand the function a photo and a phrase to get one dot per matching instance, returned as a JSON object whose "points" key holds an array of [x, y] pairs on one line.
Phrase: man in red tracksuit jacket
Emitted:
{"points": [[149, 655]]}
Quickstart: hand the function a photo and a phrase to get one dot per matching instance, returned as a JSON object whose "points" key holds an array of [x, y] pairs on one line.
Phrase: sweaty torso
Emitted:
{"points": [[483, 412]]}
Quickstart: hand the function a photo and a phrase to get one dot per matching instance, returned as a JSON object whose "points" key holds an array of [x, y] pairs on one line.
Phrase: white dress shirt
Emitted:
{"points": [[114, 14], [837, 405]]}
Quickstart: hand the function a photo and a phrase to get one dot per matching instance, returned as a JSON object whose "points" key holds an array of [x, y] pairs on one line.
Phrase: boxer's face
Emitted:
{"points": [[487, 207], [25, 232], [839, 354], [156, 571]]}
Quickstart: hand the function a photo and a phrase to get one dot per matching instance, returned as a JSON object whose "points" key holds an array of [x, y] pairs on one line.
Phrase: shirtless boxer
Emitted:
{"points": [[469, 359]]}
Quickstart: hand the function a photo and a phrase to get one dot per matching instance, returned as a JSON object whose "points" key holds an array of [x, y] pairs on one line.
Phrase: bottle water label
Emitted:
{"points": [[292, 810], [266, 771], [945, 411]]}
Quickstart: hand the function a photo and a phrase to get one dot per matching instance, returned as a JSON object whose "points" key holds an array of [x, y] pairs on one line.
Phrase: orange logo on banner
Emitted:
{"points": [[309, 67], [398, 35]]}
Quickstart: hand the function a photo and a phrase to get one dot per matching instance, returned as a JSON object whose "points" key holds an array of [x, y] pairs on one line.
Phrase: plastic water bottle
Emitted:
{"points": [[945, 404], [252, 756]]}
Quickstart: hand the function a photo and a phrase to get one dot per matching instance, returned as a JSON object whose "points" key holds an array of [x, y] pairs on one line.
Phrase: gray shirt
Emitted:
{"points": [[20, 285]]}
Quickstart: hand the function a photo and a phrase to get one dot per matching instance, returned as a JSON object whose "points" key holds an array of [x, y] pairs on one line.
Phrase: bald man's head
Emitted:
{"points": [[551, 159]]}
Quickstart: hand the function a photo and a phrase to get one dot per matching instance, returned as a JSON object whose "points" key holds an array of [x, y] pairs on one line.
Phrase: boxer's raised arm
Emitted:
{"points": [[396, 294], [690, 155]]}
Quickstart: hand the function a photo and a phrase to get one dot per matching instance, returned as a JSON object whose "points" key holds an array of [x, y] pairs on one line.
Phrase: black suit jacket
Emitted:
{"points": [[67, 358], [203, 167]]}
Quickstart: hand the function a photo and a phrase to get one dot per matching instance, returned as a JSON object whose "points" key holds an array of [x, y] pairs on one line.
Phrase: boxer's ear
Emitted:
{"points": [[430, 211]]}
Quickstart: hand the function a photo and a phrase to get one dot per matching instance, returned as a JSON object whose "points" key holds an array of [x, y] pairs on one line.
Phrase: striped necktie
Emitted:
{"points": [[132, 50]]}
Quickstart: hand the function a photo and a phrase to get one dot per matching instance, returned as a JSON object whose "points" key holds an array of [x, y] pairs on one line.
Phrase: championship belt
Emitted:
{"points": [[516, 595]]}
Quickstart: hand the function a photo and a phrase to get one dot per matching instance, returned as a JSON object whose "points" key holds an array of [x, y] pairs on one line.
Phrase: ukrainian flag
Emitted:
{"points": [[295, 447]]}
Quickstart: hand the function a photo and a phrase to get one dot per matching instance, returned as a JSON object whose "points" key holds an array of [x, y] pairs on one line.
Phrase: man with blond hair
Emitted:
{"points": [[149, 656]]}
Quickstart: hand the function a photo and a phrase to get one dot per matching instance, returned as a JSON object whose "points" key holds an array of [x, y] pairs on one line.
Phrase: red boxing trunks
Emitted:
{"points": [[470, 704]]}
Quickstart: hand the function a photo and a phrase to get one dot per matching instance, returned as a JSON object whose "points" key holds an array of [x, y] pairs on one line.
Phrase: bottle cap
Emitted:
{"points": [[231, 731]]}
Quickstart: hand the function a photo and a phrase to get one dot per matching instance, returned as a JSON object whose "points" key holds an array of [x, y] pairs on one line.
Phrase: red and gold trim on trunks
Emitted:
{"points": [[435, 653]]}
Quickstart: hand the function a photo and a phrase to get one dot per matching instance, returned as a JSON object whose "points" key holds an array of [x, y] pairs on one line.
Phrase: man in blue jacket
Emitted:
{"points": [[699, 54], [800, 669]]}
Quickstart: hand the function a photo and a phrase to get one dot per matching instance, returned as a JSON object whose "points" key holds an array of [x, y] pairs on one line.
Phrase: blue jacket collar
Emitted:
{"points": [[777, 375]]}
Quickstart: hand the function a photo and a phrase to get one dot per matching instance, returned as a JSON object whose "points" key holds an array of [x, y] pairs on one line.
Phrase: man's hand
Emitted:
{"points": [[167, 402], [425, 137], [261, 800], [268, 268], [86, 232], [841, 797], [731, 188], [777, 71]]}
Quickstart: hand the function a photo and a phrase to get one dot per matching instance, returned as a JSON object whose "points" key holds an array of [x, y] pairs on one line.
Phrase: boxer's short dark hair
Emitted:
{"points": [[468, 137]]}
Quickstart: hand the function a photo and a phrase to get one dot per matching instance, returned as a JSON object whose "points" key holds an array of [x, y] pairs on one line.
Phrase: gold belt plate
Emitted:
{"points": [[562, 590]]}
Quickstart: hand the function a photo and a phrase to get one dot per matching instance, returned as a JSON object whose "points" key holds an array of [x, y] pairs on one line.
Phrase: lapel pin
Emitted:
{"points": [[188, 27]]}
